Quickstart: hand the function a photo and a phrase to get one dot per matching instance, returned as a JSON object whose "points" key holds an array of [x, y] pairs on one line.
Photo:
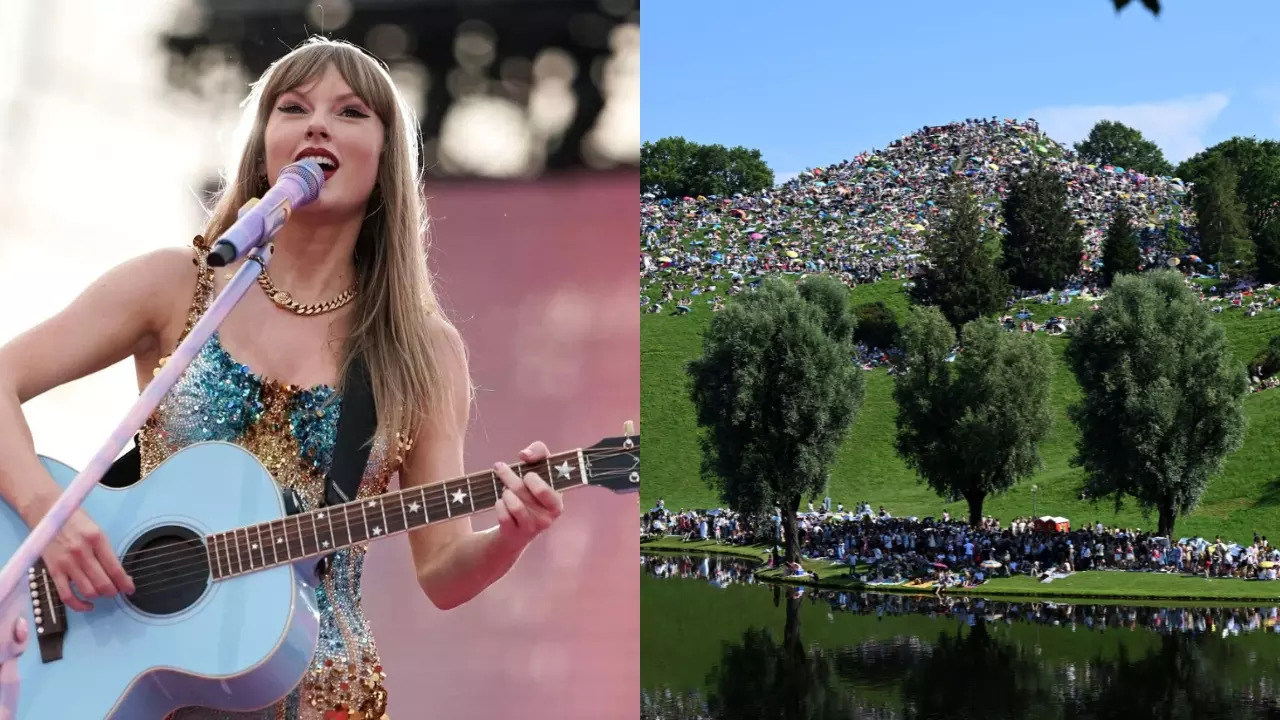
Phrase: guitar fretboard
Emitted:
{"points": [[322, 531]]}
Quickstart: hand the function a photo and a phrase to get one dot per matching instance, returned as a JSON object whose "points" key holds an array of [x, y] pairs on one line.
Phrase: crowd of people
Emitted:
{"points": [[864, 219], [936, 553]]}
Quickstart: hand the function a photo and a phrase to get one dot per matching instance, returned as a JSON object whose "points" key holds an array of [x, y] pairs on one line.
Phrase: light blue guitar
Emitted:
{"points": [[224, 615]]}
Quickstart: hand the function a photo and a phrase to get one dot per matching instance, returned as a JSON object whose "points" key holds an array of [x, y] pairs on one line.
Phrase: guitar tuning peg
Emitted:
{"points": [[628, 428]]}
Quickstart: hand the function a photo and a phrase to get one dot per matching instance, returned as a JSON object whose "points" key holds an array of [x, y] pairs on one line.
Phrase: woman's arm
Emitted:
{"points": [[453, 562]]}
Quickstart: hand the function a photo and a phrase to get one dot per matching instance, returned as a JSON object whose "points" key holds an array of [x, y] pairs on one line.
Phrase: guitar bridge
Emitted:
{"points": [[50, 614]]}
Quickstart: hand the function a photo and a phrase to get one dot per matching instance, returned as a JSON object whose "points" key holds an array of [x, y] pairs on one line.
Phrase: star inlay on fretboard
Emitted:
{"points": [[321, 532]]}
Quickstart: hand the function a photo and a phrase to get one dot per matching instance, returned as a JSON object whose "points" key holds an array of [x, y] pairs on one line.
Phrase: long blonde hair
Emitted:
{"points": [[389, 324]]}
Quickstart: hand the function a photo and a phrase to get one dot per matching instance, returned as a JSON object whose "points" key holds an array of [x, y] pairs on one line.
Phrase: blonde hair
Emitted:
{"points": [[389, 325]]}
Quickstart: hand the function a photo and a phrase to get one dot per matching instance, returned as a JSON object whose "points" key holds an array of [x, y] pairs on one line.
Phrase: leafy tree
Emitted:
{"points": [[1120, 252], [1175, 241], [1043, 244], [1267, 362], [1163, 398], [676, 167], [877, 325], [776, 391], [962, 278], [1257, 166], [1114, 143], [1152, 5], [971, 427], [1224, 236]]}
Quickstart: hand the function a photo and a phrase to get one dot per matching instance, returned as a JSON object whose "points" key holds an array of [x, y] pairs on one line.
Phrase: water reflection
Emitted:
{"points": [[868, 655]]}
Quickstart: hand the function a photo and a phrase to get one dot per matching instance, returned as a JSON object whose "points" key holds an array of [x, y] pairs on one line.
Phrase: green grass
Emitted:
{"points": [[1244, 498], [1101, 584]]}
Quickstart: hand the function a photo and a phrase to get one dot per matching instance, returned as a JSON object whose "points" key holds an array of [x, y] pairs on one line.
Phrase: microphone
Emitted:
{"points": [[260, 219]]}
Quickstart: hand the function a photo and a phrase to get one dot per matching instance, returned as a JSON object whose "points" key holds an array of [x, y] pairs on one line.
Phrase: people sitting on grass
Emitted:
{"points": [[1224, 619], [878, 548], [865, 219]]}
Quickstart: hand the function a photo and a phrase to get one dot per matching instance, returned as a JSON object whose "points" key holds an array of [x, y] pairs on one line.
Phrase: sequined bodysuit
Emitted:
{"points": [[292, 432]]}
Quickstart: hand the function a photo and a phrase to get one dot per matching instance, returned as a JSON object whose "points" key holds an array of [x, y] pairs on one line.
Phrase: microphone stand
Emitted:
{"points": [[15, 568]]}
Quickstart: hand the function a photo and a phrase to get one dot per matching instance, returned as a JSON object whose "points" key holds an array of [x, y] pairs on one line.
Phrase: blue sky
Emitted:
{"points": [[813, 82]]}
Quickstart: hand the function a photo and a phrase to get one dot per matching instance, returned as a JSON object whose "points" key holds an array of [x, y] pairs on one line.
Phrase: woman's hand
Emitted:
{"points": [[529, 504], [83, 564], [11, 648]]}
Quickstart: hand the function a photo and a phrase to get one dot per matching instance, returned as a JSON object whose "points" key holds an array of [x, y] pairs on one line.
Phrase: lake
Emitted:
{"points": [[717, 645]]}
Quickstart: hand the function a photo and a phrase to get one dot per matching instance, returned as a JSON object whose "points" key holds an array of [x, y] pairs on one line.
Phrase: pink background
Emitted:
{"points": [[541, 279]]}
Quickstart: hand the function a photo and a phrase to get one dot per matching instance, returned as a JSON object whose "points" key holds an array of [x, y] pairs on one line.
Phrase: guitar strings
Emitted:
{"points": [[216, 555], [197, 571], [181, 546], [295, 536], [179, 561]]}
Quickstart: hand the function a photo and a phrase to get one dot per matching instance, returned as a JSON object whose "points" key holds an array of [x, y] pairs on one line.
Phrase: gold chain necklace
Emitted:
{"points": [[284, 300]]}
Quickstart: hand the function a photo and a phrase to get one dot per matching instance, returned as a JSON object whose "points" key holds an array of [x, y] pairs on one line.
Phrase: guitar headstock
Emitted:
{"points": [[615, 462]]}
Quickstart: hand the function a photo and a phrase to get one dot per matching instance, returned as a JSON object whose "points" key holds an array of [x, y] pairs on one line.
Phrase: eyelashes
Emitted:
{"points": [[349, 111]]}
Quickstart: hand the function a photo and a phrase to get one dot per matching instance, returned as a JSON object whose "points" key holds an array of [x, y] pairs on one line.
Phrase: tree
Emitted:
{"points": [[676, 167], [1224, 236], [1267, 362], [1113, 143], [1163, 398], [1043, 244], [971, 427], [776, 391], [1175, 241], [1257, 166], [1120, 252], [962, 278], [877, 325], [1152, 5]]}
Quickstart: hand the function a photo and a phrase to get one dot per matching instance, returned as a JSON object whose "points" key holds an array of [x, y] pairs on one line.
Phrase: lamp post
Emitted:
{"points": [[1033, 502]]}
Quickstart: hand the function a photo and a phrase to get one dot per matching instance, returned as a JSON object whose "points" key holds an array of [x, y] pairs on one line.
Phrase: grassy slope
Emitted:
{"points": [[1244, 498]]}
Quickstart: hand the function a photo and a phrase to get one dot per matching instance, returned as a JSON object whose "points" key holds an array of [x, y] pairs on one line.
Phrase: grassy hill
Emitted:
{"points": [[1245, 498]]}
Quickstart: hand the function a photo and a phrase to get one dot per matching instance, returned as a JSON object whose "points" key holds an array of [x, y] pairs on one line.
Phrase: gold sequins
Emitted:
{"points": [[346, 679]]}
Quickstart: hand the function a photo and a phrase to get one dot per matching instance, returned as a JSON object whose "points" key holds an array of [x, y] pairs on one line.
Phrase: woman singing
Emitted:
{"points": [[348, 278]]}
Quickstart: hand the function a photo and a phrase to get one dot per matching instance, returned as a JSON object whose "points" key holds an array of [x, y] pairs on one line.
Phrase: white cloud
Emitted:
{"points": [[1178, 126]]}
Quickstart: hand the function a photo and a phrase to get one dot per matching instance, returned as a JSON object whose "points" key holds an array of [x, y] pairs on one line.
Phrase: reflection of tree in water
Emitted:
{"points": [[878, 663], [1192, 672], [975, 675], [761, 678], [1184, 679]]}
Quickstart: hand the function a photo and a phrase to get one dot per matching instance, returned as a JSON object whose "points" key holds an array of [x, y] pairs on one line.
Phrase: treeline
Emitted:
{"points": [[776, 394]]}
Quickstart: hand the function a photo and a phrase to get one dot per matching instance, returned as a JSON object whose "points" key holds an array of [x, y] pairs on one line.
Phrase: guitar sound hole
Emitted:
{"points": [[170, 570]]}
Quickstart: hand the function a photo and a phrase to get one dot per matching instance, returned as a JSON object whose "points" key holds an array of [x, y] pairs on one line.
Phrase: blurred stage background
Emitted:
{"points": [[114, 123]]}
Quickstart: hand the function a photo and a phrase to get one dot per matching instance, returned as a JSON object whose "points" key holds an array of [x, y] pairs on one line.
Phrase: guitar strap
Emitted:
{"points": [[354, 442]]}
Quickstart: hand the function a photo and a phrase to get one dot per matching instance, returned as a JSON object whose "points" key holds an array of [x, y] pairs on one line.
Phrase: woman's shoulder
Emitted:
{"points": [[445, 339], [160, 270]]}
